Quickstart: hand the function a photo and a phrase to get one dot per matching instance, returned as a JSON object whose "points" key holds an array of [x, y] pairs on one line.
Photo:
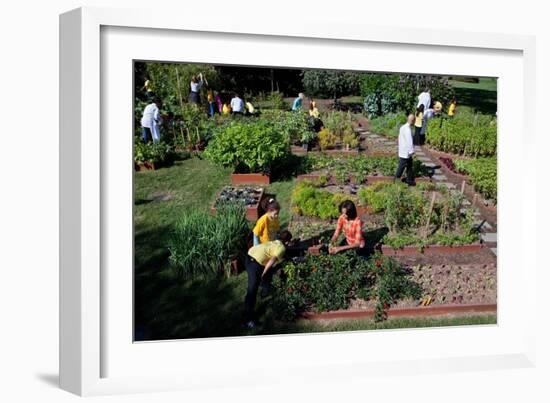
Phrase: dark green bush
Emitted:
{"points": [[248, 146]]}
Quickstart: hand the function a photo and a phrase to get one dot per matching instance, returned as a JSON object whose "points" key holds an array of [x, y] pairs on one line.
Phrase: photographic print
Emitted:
{"points": [[272, 200]]}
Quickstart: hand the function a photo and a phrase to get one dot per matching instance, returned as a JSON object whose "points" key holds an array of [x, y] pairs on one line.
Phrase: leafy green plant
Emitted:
{"points": [[203, 245], [330, 83], [327, 139], [483, 172], [466, 134], [155, 153], [310, 201], [248, 146], [330, 282]]}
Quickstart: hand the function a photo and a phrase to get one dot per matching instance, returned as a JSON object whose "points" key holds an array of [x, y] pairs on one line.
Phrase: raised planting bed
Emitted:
{"points": [[250, 197], [446, 290], [250, 179], [431, 250]]}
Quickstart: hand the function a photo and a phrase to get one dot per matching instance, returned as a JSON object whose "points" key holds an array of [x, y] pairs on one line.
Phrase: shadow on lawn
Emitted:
{"points": [[483, 101], [197, 308]]}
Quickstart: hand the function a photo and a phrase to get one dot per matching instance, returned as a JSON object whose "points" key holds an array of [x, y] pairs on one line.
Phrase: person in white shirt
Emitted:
{"points": [[151, 121], [406, 151], [237, 105], [425, 98], [196, 84]]}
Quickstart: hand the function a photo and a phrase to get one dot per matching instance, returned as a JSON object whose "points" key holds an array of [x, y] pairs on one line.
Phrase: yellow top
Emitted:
{"points": [[418, 121], [226, 109], [266, 228], [210, 96], [250, 107], [452, 108], [314, 112], [148, 86], [265, 251]]}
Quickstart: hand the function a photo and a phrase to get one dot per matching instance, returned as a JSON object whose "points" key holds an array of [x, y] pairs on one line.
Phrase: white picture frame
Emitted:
{"points": [[90, 337]]}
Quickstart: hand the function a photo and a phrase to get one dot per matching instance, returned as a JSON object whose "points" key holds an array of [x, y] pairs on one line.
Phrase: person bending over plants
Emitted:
{"points": [[352, 226], [260, 264], [268, 225]]}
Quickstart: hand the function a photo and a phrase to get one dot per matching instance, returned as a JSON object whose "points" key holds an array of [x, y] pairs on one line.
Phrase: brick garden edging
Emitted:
{"points": [[435, 310], [250, 179]]}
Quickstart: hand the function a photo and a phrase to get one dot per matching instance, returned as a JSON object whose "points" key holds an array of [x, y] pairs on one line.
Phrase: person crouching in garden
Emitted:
{"points": [[268, 225], [260, 264], [237, 105], [352, 226], [151, 121], [406, 151]]}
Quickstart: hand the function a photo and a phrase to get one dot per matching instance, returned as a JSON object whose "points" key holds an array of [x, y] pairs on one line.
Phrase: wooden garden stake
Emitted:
{"points": [[181, 100], [429, 215], [463, 185], [475, 200]]}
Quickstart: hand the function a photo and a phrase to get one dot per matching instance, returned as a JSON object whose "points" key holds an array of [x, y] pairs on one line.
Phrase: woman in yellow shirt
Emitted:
{"points": [[452, 107], [226, 110], [268, 225], [313, 111], [418, 124], [260, 265]]}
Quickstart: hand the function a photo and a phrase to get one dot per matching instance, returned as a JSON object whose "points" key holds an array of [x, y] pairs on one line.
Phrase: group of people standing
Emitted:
{"points": [[426, 109]]}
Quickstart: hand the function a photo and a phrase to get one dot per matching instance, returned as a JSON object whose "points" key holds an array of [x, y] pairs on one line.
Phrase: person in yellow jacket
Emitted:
{"points": [[313, 111], [226, 110], [260, 263], [452, 108], [418, 124], [268, 225]]}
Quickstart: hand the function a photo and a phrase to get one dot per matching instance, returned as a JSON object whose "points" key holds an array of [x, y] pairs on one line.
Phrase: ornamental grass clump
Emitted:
{"points": [[203, 245]]}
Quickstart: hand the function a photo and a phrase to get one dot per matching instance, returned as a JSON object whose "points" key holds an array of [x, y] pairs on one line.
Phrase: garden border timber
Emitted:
{"points": [[425, 311], [250, 179], [432, 250], [252, 212]]}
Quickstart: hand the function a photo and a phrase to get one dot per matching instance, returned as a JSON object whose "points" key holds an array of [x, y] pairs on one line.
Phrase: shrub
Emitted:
{"points": [[277, 101], [483, 172], [203, 245], [155, 153], [292, 124], [466, 134], [327, 139], [248, 146], [330, 282], [384, 93], [330, 83]]}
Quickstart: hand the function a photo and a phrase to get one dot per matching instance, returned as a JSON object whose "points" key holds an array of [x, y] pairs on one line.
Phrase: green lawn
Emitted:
{"points": [[481, 97], [166, 308]]}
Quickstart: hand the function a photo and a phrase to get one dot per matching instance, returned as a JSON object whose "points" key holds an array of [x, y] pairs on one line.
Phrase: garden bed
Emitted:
{"points": [[431, 250], [446, 290], [314, 177], [250, 197]]}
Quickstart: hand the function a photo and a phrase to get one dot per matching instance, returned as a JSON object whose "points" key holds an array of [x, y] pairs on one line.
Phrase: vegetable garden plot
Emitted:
{"points": [[356, 169], [428, 218], [249, 197]]}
